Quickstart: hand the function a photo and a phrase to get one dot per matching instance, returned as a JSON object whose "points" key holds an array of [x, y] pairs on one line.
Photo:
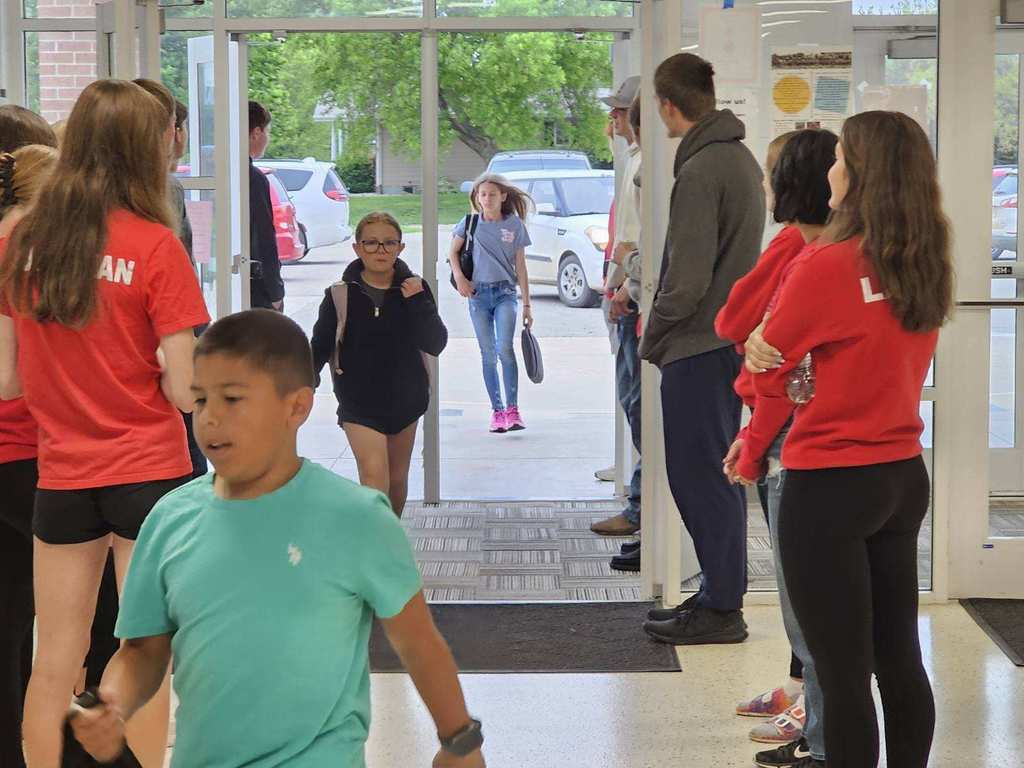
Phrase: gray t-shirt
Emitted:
{"points": [[494, 248]]}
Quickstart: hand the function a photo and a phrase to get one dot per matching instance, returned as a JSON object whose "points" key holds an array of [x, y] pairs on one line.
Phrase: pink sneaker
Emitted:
{"points": [[513, 421], [498, 422]]}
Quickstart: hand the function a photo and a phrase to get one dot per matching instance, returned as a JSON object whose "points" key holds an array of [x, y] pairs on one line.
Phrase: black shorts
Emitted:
{"points": [[78, 516]]}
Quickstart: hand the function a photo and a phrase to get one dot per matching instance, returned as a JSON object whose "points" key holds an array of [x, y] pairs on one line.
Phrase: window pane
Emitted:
{"points": [[293, 180], [301, 8], [60, 9], [532, 8], [58, 65], [583, 196]]}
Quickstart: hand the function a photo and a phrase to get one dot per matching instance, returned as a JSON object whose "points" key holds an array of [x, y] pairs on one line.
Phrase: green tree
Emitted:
{"points": [[496, 91]]}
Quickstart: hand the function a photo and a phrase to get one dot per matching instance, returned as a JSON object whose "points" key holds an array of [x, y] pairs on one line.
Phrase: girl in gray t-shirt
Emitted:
{"points": [[499, 263]]}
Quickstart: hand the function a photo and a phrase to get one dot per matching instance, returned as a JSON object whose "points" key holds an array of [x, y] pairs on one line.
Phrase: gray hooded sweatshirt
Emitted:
{"points": [[716, 221]]}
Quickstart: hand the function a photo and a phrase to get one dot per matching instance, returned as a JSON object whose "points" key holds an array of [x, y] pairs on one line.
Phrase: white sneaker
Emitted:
{"points": [[606, 475]]}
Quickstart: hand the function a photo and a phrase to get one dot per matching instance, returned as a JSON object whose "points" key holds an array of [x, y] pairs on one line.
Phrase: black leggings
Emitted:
{"points": [[848, 540], [17, 613]]}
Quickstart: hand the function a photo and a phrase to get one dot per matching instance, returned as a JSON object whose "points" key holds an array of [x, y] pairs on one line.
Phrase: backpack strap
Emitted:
{"points": [[339, 295]]}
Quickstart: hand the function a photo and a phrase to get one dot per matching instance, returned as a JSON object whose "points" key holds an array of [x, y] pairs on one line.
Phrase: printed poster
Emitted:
{"points": [[811, 88], [200, 214], [730, 38]]}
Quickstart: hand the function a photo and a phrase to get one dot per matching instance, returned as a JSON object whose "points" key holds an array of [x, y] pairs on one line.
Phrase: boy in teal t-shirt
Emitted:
{"points": [[261, 581]]}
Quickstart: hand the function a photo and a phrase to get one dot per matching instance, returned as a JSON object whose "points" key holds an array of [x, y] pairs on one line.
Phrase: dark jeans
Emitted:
{"points": [[701, 414], [17, 613], [848, 540], [627, 376]]}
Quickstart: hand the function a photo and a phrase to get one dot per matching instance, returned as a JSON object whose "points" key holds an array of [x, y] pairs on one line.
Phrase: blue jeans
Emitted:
{"points": [[627, 375], [814, 700], [493, 311]]}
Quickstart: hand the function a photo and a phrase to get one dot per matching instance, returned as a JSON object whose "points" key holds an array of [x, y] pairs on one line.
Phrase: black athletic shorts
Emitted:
{"points": [[75, 517]]}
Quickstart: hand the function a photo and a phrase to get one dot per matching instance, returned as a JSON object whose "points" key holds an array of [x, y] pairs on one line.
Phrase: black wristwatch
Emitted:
{"points": [[465, 742]]}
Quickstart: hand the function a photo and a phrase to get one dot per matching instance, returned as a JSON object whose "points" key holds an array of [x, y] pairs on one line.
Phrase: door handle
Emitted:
{"points": [[991, 304]]}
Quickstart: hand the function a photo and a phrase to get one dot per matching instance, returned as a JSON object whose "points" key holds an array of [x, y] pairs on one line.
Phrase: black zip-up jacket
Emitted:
{"points": [[381, 355], [265, 283]]}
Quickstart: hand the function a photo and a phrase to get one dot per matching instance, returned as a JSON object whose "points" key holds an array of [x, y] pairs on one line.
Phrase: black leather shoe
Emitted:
{"points": [[629, 547], [666, 614], [701, 626], [627, 562]]}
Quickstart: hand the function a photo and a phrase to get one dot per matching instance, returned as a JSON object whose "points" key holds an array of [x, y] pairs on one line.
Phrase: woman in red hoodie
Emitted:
{"points": [[800, 195], [865, 303]]}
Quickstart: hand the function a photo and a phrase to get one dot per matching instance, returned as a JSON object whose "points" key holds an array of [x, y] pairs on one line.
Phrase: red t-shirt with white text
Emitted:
{"points": [[95, 392]]}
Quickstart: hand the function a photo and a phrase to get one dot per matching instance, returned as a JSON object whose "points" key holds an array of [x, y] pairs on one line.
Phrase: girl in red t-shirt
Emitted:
{"points": [[799, 195], [866, 304], [103, 301]]}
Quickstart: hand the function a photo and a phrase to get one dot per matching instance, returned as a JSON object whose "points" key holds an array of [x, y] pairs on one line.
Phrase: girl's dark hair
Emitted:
{"points": [[893, 203], [20, 126], [800, 177], [517, 201]]}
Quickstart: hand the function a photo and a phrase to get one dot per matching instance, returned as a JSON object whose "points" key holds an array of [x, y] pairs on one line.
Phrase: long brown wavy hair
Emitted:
{"points": [[113, 157], [517, 201], [894, 204]]}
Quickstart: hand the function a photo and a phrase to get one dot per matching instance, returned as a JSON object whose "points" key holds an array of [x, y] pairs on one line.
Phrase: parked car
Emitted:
{"points": [[290, 243], [569, 230], [320, 198], [534, 160], [1004, 212]]}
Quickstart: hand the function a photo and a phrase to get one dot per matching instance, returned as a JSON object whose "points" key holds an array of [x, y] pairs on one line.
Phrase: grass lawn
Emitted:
{"points": [[452, 206]]}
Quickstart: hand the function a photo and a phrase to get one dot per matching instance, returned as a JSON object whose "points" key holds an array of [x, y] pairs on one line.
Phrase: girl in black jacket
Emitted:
{"points": [[389, 324]]}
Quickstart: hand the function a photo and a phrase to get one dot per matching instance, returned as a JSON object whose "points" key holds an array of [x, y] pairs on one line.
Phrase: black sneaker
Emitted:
{"points": [[792, 755], [666, 614], [629, 547], [627, 562], [701, 626]]}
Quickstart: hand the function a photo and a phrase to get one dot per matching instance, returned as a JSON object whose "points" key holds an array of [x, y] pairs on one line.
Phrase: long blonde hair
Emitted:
{"points": [[516, 201], [23, 173], [894, 204], [112, 158]]}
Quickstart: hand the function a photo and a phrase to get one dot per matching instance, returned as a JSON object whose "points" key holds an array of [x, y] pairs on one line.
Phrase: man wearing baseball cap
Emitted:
{"points": [[627, 358]]}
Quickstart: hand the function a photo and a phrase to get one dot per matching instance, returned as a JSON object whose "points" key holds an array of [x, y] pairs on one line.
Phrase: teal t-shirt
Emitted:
{"points": [[270, 603]]}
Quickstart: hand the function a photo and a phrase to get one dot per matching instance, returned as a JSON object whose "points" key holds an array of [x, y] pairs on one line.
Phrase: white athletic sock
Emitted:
{"points": [[793, 687]]}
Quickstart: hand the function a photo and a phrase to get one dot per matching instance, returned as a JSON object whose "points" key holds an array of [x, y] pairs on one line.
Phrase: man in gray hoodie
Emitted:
{"points": [[716, 222]]}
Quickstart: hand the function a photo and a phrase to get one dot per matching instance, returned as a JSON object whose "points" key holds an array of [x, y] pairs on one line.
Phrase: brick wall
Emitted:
{"points": [[67, 60]]}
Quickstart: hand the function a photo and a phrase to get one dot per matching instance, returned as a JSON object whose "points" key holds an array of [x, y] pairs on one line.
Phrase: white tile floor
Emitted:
{"points": [[675, 720]]}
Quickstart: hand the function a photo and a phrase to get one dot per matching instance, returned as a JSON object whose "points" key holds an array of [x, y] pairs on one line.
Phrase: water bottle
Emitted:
{"points": [[800, 382]]}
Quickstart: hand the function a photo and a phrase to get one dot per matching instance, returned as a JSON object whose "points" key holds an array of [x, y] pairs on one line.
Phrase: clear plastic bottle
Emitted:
{"points": [[800, 382]]}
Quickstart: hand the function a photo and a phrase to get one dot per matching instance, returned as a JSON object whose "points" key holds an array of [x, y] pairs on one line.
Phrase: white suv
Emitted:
{"points": [[569, 230], [320, 198]]}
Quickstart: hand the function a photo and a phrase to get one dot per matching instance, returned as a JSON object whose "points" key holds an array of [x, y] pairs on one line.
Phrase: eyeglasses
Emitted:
{"points": [[372, 246]]}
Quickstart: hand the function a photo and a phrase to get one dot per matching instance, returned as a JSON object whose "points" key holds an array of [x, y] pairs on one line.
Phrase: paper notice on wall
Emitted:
{"points": [[730, 38], [200, 214], [911, 100], [743, 103], [811, 88]]}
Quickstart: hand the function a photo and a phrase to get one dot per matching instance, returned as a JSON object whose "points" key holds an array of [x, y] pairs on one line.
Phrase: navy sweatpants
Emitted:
{"points": [[701, 418]]}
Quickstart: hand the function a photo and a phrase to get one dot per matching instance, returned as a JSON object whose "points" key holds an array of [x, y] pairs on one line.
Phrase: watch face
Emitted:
{"points": [[467, 741]]}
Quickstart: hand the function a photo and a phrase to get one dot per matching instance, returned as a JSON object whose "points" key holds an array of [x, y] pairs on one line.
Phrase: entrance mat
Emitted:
{"points": [[541, 637], [1003, 621]]}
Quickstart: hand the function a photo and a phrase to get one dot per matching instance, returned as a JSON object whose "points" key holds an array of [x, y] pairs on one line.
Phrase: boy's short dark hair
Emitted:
{"points": [[267, 340], [259, 116], [800, 177], [180, 114], [688, 82]]}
